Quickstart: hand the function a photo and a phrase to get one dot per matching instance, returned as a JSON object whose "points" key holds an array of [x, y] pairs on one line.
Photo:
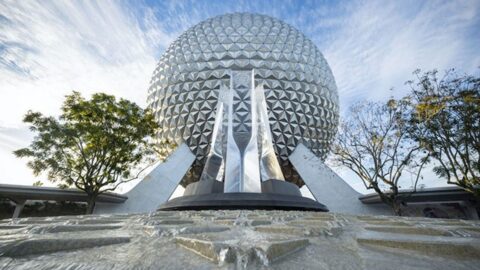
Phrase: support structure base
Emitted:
{"points": [[242, 200]]}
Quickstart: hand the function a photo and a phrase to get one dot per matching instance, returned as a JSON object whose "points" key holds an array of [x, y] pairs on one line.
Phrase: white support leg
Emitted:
{"points": [[155, 188], [329, 188], [470, 210], [19, 204]]}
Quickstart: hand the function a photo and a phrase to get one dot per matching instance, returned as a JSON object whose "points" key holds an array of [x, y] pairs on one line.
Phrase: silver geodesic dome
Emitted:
{"points": [[300, 90]]}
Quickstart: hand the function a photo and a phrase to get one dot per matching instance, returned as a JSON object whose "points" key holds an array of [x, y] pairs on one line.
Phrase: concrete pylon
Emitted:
{"points": [[19, 204], [329, 188], [155, 188]]}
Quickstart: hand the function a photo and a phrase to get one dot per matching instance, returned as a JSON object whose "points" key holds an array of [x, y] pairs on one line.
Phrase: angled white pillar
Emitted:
{"points": [[19, 204], [328, 188], [155, 188], [269, 166], [213, 169]]}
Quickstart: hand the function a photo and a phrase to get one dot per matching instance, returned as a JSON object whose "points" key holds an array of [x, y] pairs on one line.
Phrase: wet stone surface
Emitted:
{"points": [[238, 240]]}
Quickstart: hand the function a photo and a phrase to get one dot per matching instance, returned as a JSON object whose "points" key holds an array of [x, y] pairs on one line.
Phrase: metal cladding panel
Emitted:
{"points": [[300, 89]]}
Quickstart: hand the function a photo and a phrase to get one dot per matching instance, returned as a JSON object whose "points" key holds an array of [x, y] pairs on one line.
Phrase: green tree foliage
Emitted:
{"points": [[95, 145], [37, 183], [446, 123], [373, 142]]}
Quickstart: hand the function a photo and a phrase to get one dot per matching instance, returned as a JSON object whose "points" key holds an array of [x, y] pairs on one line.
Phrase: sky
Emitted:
{"points": [[49, 48]]}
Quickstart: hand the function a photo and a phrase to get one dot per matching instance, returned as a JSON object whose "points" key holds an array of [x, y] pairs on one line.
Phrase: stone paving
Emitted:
{"points": [[239, 240]]}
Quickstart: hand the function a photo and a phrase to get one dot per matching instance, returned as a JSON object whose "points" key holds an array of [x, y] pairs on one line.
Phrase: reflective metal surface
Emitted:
{"points": [[269, 167], [242, 171], [300, 91], [214, 166], [242, 151]]}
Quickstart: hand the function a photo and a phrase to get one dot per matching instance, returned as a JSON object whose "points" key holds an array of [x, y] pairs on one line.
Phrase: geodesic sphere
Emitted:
{"points": [[300, 90]]}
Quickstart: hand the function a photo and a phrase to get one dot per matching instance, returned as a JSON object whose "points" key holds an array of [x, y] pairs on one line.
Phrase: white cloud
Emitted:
{"points": [[382, 42], [48, 49], [63, 46]]}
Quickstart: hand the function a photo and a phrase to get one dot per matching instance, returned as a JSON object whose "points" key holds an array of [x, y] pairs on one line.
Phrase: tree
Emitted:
{"points": [[446, 123], [374, 143], [37, 183], [95, 145]]}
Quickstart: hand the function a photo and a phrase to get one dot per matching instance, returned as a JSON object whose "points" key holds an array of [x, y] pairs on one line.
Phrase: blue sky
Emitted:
{"points": [[49, 48]]}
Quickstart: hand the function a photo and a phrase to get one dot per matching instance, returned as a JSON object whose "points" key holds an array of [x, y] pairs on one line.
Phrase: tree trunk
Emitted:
{"points": [[392, 202], [90, 204], [397, 208]]}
